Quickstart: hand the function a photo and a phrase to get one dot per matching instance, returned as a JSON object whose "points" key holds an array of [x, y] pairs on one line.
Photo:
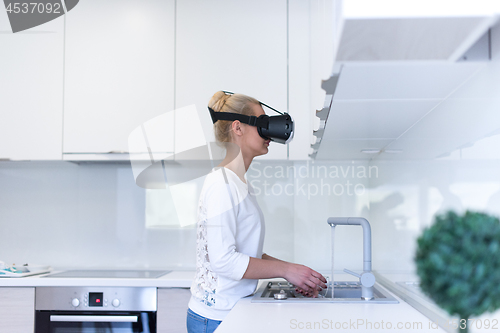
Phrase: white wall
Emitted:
{"points": [[89, 215], [407, 196], [93, 215]]}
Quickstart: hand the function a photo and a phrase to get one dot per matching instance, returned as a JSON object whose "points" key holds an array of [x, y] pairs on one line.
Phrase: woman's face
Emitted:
{"points": [[252, 143]]}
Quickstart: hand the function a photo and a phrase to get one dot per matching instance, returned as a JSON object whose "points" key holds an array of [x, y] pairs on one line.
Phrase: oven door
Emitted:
{"points": [[94, 322]]}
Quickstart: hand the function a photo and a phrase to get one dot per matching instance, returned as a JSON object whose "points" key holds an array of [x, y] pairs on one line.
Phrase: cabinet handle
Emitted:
{"points": [[96, 319], [117, 152]]}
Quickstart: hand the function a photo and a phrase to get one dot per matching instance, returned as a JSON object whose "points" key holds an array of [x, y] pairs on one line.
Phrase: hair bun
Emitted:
{"points": [[218, 100]]}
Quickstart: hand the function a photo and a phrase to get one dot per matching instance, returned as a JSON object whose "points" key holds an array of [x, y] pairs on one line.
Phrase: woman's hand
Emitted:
{"points": [[307, 294], [308, 281]]}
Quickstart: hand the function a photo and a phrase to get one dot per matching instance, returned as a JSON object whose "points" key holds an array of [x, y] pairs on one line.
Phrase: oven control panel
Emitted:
{"points": [[95, 298]]}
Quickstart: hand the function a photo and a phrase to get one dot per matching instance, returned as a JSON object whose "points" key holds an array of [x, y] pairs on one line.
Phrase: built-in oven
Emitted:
{"points": [[95, 309]]}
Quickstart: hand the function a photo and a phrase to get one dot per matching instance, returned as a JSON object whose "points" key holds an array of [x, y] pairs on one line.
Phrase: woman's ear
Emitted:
{"points": [[237, 128]]}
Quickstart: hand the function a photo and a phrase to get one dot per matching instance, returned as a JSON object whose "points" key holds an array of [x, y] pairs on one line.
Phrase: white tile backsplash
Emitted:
{"points": [[408, 194], [88, 215], [94, 215]]}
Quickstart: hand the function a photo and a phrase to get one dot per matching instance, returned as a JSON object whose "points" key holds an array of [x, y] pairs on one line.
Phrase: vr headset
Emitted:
{"points": [[275, 128]]}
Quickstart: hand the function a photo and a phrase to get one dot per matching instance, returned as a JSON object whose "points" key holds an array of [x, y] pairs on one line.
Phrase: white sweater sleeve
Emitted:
{"points": [[221, 232]]}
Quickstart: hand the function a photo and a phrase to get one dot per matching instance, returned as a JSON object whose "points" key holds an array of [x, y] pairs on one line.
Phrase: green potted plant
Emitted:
{"points": [[458, 262]]}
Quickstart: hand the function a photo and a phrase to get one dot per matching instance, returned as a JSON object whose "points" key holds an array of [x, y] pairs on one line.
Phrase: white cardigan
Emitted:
{"points": [[230, 230]]}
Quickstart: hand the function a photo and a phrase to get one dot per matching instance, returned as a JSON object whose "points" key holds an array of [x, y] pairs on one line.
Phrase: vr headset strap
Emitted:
{"points": [[262, 121]]}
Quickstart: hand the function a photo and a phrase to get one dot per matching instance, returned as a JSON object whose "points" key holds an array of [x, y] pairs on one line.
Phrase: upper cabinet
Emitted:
{"points": [[313, 35], [119, 73], [238, 46], [31, 91], [393, 93], [120, 76]]}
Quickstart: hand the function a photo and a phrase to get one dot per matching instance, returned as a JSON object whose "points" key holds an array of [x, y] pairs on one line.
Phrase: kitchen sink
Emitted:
{"points": [[366, 290], [281, 291]]}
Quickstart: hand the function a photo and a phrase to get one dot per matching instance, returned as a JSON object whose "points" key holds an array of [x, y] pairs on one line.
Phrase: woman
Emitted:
{"points": [[230, 230]]}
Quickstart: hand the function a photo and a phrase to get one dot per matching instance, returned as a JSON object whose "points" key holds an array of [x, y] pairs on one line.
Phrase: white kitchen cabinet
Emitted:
{"points": [[31, 91], [119, 73], [326, 25], [172, 310], [299, 60], [312, 37], [17, 310], [238, 46]]}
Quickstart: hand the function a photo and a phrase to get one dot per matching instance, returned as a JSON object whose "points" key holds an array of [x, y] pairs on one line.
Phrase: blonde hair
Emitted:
{"points": [[236, 103]]}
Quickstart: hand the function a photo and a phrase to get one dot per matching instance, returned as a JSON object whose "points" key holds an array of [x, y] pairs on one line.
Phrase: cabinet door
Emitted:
{"points": [[119, 73], [299, 62], [238, 46], [31, 91], [17, 310], [313, 26], [172, 309]]}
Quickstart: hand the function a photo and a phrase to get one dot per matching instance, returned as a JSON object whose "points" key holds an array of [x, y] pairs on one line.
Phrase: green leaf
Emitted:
{"points": [[458, 262]]}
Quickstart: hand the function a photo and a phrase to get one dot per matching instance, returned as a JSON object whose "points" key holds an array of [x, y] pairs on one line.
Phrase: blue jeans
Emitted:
{"points": [[198, 324]]}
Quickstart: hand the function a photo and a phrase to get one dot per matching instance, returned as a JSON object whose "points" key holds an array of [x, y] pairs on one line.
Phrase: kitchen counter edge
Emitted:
{"points": [[174, 279]]}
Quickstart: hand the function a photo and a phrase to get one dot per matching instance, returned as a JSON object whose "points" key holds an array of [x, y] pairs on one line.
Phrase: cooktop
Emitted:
{"points": [[125, 274]]}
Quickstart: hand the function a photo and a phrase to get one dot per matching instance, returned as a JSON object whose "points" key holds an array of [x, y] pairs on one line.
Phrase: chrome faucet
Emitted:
{"points": [[366, 279]]}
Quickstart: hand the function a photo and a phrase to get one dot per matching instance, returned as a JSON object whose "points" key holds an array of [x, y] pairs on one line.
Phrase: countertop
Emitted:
{"points": [[352, 317], [487, 322], [176, 278], [282, 317]]}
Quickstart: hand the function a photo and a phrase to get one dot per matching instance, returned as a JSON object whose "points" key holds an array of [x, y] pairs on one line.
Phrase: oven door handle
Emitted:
{"points": [[95, 319]]}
